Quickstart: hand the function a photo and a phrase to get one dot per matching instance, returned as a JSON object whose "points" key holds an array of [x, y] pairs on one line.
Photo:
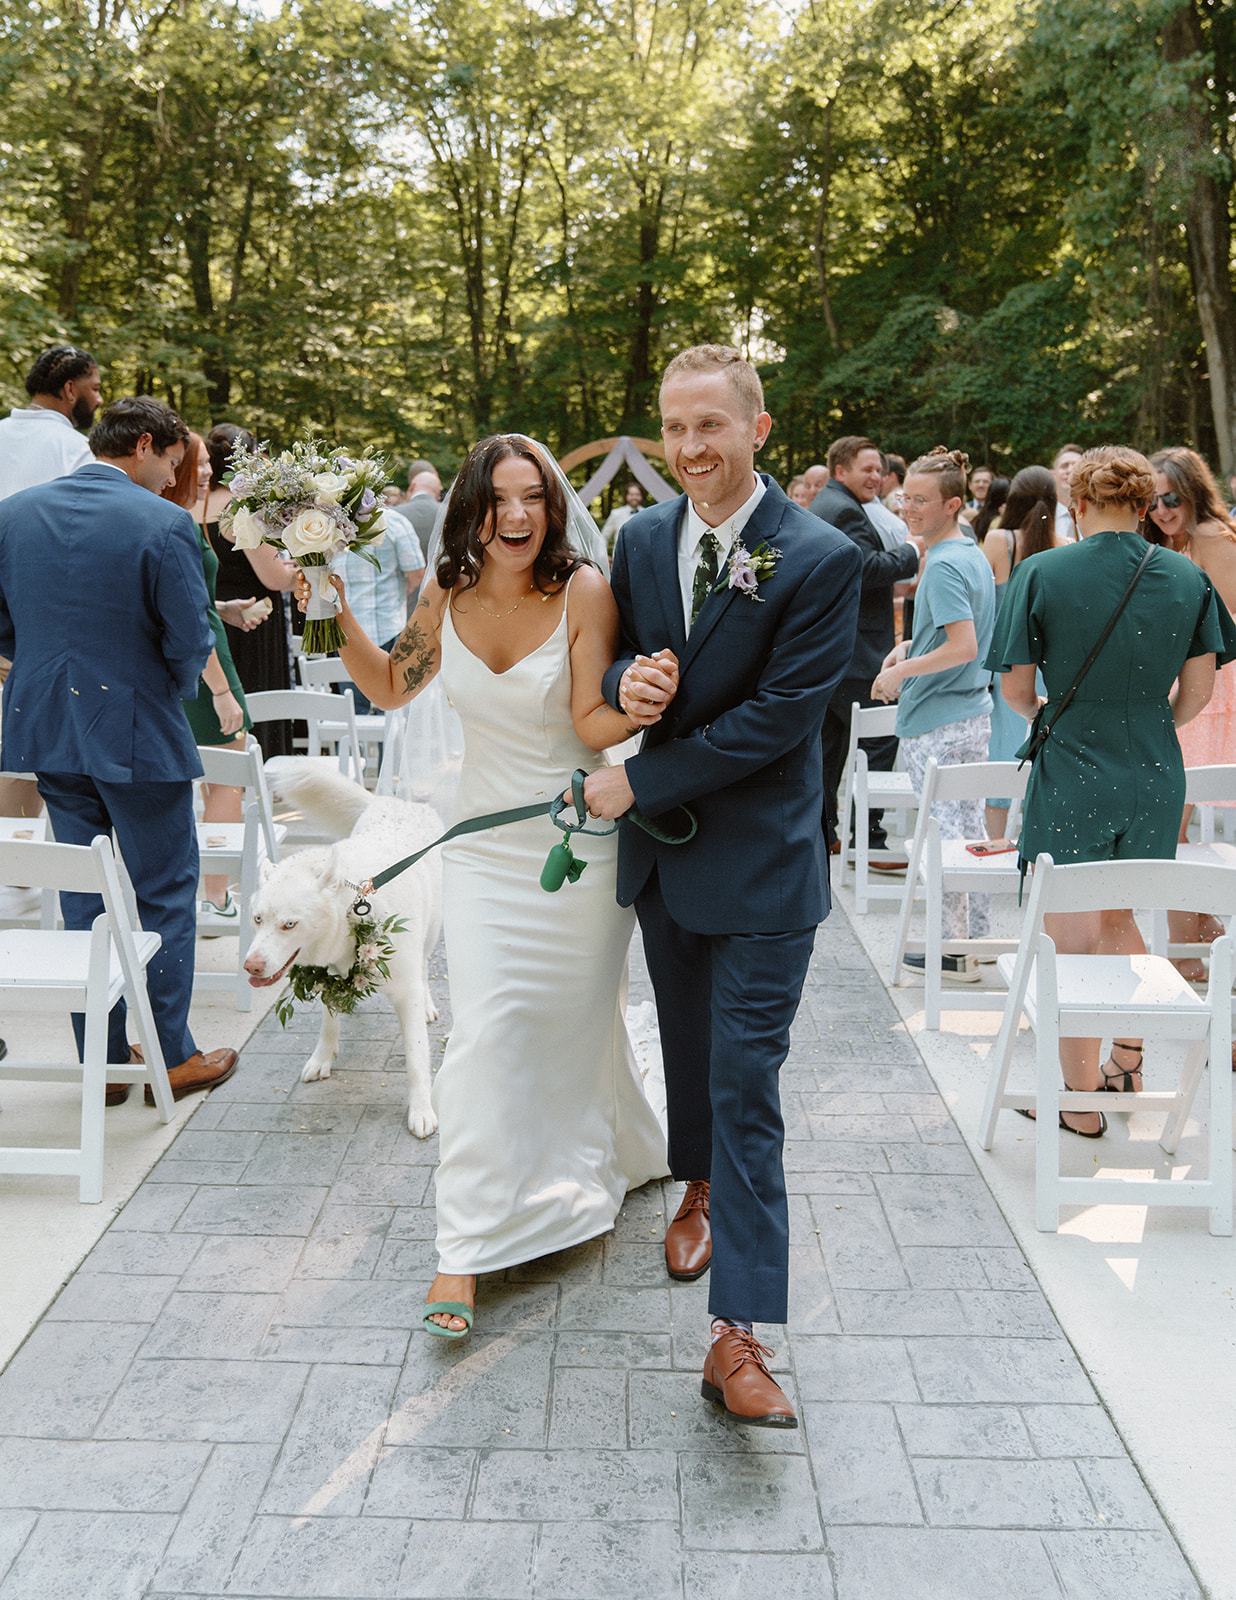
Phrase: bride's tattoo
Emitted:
{"points": [[413, 647]]}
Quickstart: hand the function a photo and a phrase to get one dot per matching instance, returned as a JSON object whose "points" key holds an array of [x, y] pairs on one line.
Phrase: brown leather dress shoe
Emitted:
{"points": [[736, 1379], [198, 1072], [688, 1239], [118, 1093]]}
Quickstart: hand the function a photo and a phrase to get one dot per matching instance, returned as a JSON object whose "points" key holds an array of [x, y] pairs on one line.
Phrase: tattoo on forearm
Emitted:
{"points": [[413, 647]]}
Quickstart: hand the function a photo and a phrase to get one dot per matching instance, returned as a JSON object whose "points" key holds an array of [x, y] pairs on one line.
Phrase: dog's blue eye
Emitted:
{"points": [[287, 925]]}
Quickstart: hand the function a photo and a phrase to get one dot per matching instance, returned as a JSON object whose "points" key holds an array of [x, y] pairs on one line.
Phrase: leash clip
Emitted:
{"points": [[360, 906]]}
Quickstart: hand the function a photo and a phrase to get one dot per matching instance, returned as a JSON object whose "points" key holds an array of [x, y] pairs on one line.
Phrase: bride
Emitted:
{"points": [[542, 1118]]}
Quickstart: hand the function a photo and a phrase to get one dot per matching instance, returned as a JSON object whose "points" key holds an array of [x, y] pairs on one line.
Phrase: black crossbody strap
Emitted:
{"points": [[1041, 735]]}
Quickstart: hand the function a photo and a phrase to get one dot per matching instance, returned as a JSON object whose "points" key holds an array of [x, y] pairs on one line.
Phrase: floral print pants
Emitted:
{"points": [[966, 916]]}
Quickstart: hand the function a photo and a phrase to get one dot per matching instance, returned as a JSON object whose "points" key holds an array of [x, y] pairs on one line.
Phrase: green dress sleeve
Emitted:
{"points": [[1215, 630]]}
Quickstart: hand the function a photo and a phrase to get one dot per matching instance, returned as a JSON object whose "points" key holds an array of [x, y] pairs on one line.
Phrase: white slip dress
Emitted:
{"points": [[543, 1122]]}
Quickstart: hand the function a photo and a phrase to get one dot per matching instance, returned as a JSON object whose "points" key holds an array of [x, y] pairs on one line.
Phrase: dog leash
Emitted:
{"points": [[561, 865]]}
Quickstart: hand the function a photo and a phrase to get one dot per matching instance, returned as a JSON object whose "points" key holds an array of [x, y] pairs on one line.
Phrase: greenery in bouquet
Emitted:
{"points": [[313, 503]]}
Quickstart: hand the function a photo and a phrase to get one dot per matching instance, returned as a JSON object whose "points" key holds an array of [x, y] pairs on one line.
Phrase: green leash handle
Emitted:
{"points": [[562, 864]]}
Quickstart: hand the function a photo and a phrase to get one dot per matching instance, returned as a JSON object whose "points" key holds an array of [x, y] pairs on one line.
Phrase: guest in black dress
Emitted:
{"points": [[262, 658]]}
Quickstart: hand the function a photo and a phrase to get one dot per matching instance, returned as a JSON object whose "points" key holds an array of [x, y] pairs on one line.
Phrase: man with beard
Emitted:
{"points": [[41, 441]]}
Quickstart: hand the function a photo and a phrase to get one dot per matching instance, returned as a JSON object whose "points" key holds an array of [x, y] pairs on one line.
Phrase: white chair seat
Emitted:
{"points": [[23, 827], [232, 836], [1124, 985], [33, 961], [1215, 854], [889, 789]]}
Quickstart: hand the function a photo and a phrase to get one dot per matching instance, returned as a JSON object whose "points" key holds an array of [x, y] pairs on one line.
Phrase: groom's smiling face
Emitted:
{"points": [[710, 442]]}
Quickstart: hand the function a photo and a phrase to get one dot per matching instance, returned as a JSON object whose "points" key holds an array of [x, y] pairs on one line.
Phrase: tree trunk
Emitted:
{"points": [[819, 240], [214, 361], [1209, 230], [638, 401]]}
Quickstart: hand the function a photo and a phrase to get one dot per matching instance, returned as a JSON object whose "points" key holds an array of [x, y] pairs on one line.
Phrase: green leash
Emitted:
{"points": [[561, 865]]}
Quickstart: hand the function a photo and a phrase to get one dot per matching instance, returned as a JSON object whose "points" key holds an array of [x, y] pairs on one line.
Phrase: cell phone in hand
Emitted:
{"points": [[991, 847]]}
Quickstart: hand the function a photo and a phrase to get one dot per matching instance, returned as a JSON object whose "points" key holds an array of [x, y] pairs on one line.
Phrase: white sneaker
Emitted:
{"points": [[213, 921]]}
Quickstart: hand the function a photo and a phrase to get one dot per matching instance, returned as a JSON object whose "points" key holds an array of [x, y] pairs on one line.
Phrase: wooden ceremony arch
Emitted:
{"points": [[623, 450]]}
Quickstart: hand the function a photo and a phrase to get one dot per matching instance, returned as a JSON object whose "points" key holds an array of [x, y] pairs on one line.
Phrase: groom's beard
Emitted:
{"points": [[82, 414]]}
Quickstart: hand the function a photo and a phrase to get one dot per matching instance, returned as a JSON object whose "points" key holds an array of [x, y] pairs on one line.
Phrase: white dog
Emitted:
{"points": [[300, 912]]}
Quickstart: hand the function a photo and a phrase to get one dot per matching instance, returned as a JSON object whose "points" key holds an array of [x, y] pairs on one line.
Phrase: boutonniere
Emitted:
{"points": [[747, 568]]}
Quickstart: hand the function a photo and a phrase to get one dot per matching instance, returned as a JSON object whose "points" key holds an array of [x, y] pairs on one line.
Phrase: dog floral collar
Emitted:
{"points": [[340, 992], [747, 568]]}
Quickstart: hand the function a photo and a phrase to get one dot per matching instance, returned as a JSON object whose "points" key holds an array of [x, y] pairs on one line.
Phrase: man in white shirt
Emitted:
{"points": [[40, 441], [632, 502], [1066, 459]]}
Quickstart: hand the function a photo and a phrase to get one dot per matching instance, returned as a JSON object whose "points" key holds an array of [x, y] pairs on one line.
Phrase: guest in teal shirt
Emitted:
{"points": [[938, 680]]}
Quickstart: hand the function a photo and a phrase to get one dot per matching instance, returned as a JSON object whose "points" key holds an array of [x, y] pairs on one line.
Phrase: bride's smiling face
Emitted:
{"points": [[514, 535]]}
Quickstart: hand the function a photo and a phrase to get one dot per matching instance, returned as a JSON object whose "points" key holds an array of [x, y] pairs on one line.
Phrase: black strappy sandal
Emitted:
{"points": [[1125, 1077], [1081, 1134]]}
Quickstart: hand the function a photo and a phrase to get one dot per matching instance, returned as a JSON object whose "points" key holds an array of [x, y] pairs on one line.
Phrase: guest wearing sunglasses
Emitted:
{"points": [[1187, 514]]}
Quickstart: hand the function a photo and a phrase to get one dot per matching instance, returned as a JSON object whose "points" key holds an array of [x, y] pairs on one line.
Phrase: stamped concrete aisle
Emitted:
{"points": [[233, 1396]]}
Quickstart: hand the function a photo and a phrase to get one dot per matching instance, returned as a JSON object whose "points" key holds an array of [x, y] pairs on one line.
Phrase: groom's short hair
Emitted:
{"points": [[118, 430], [744, 379]]}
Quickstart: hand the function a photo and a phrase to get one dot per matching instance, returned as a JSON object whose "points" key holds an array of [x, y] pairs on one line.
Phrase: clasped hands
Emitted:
{"points": [[644, 690], [887, 686]]}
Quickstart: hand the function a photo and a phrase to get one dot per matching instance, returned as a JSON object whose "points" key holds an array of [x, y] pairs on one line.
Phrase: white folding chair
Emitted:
{"points": [[372, 727], [861, 789], [1086, 997], [1205, 787], [57, 970], [238, 849], [329, 718], [945, 866], [39, 829]]}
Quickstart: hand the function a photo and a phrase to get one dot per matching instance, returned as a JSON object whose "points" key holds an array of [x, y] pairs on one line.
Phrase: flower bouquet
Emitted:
{"points": [[312, 503]]}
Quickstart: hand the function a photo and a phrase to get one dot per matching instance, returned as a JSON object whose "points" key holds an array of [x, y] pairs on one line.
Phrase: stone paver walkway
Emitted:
{"points": [[233, 1398]]}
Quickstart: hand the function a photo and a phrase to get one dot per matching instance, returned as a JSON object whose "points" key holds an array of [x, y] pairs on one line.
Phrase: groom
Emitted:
{"points": [[728, 919]]}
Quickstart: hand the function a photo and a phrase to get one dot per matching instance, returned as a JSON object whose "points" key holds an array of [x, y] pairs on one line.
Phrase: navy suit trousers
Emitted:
{"points": [[157, 836], [725, 1003]]}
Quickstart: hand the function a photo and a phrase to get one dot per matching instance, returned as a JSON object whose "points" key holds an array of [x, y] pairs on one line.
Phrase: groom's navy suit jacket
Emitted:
{"points": [[740, 743], [103, 610]]}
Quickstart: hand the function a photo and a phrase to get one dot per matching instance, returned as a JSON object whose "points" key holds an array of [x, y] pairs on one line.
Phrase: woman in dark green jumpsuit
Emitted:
{"points": [[1109, 783]]}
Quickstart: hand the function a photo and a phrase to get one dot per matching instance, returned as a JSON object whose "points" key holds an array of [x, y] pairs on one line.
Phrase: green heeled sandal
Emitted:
{"points": [[449, 1308]]}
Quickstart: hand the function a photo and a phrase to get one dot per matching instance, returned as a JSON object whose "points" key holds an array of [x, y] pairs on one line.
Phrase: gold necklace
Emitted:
{"points": [[498, 614]]}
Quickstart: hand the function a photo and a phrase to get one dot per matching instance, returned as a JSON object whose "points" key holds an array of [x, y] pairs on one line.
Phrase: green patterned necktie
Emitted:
{"points": [[705, 573]]}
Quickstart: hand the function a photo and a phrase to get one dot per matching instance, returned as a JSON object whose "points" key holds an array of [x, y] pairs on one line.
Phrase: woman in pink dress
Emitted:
{"points": [[1190, 516]]}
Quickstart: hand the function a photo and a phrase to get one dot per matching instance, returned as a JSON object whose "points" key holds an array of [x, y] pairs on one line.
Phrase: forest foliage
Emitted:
{"points": [[996, 223]]}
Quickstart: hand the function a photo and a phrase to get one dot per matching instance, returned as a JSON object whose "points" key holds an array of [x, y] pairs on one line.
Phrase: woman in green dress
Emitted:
{"points": [[218, 716], [1108, 784]]}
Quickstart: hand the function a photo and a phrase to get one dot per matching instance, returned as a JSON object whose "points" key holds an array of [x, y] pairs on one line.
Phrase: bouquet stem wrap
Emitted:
{"points": [[322, 632]]}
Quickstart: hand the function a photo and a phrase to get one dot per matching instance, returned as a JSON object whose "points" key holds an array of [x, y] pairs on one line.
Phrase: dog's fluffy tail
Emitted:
{"points": [[329, 800]]}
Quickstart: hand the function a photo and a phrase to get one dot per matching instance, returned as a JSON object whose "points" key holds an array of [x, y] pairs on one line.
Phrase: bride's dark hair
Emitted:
{"points": [[473, 505]]}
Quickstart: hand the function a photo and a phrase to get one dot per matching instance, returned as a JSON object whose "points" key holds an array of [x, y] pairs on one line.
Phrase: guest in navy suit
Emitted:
{"points": [[103, 612], [729, 918]]}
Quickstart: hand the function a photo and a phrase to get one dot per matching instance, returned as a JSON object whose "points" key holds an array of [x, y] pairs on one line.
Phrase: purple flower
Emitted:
{"points": [[744, 578], [367, 502]]}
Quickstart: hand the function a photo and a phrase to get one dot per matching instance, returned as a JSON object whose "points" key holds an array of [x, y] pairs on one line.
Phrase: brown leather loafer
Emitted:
{"points": [[737, 1380], [688, 1239], [198, 1072]]}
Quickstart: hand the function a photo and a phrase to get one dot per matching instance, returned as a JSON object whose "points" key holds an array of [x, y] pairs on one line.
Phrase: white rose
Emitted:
{"points": [[313, 533], [330, 488], [248, 531]]}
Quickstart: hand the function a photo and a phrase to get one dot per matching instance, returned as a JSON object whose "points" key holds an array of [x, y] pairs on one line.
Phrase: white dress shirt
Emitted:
{"points": [[37, 445], [693, 530], [892, 530]]}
